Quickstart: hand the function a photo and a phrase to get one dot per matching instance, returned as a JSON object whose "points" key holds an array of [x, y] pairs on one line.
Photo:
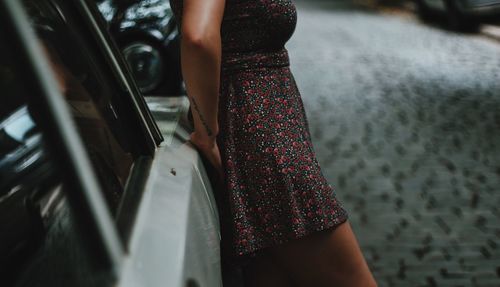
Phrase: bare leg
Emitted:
{"points": [[264, 272], [326, 259]]}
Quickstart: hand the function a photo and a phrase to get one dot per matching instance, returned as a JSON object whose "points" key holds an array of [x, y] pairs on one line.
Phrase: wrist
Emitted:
{"points": [[203, 140], [206, 131]]}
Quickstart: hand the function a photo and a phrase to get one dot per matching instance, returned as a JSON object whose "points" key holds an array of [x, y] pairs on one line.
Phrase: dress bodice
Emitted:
{"points": [[253, 32]]}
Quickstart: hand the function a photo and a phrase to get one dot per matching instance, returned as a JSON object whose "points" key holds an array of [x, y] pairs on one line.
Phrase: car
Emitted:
{"points": [[462, 15], [99, 186], [146, 33]]}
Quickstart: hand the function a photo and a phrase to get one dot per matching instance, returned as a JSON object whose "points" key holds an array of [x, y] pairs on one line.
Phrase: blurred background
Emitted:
{"points": [[403, 99], [146, 33]]}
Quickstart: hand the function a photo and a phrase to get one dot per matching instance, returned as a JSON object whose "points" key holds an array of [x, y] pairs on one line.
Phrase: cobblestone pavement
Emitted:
{"points": [[405, 120]]}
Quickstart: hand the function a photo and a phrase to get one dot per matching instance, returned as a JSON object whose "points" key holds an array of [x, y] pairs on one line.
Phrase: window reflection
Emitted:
{"points": [[31, 196], [89, 98], [39, 242]]}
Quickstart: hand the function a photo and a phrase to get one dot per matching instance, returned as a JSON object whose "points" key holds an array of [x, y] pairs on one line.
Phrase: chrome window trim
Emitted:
{"points": [[118, 64]]}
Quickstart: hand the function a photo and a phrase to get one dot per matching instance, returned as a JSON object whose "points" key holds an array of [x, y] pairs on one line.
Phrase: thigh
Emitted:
{"points": [[326, 259]]}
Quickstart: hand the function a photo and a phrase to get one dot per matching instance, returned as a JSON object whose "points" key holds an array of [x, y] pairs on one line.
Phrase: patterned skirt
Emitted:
{"points": [[274, 190]]}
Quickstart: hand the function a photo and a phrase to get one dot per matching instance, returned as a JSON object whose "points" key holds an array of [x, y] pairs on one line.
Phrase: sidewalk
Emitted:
{"points": [[401, 115]]}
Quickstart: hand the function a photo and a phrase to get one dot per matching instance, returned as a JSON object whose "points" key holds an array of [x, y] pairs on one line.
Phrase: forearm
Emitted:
{"points": [[200, 59]]}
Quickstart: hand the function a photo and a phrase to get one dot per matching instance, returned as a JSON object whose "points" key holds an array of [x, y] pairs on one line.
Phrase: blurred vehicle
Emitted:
{"points": [[98, 185], [461, 15], [146, 32]]}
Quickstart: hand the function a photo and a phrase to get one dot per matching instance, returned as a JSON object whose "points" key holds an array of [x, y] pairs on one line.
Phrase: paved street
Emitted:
{"points": [[405, 119]]}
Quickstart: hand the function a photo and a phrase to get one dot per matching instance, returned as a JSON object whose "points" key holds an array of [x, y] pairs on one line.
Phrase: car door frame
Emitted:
{"points": [[106, 239]]}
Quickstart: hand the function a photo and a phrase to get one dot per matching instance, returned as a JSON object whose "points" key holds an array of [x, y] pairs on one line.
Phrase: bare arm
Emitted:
{"points": [[200, 60]]}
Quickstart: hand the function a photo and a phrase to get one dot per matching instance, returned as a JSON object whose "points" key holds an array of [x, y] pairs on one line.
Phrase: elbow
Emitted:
{"points": [[199, 40]]}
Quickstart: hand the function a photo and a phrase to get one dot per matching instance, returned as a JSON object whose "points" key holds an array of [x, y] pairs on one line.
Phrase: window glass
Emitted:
{"points": [[25, 171], [87, 90], [39, 244]]}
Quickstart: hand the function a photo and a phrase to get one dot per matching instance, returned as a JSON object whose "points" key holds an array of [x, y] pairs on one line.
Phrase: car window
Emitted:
{"points": [[93, 102], [24, 167], [39, 243]]}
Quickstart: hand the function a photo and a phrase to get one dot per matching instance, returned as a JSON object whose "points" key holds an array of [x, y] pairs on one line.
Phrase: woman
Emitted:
{"points": [[250, 123]]}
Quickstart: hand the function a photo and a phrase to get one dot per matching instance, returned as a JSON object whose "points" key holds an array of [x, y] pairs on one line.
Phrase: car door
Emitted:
{"points": [[96, 201]]}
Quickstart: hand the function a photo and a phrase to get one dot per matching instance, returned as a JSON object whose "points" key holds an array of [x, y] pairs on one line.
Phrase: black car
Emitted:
{"points": [[460, 15], [146, 33]]}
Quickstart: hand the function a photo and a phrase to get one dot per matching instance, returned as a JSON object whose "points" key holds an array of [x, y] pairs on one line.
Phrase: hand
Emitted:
{"points": [[208, 146]]}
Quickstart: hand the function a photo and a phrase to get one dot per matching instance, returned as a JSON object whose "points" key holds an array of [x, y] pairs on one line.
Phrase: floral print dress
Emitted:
{"points": [[274, 188]]}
